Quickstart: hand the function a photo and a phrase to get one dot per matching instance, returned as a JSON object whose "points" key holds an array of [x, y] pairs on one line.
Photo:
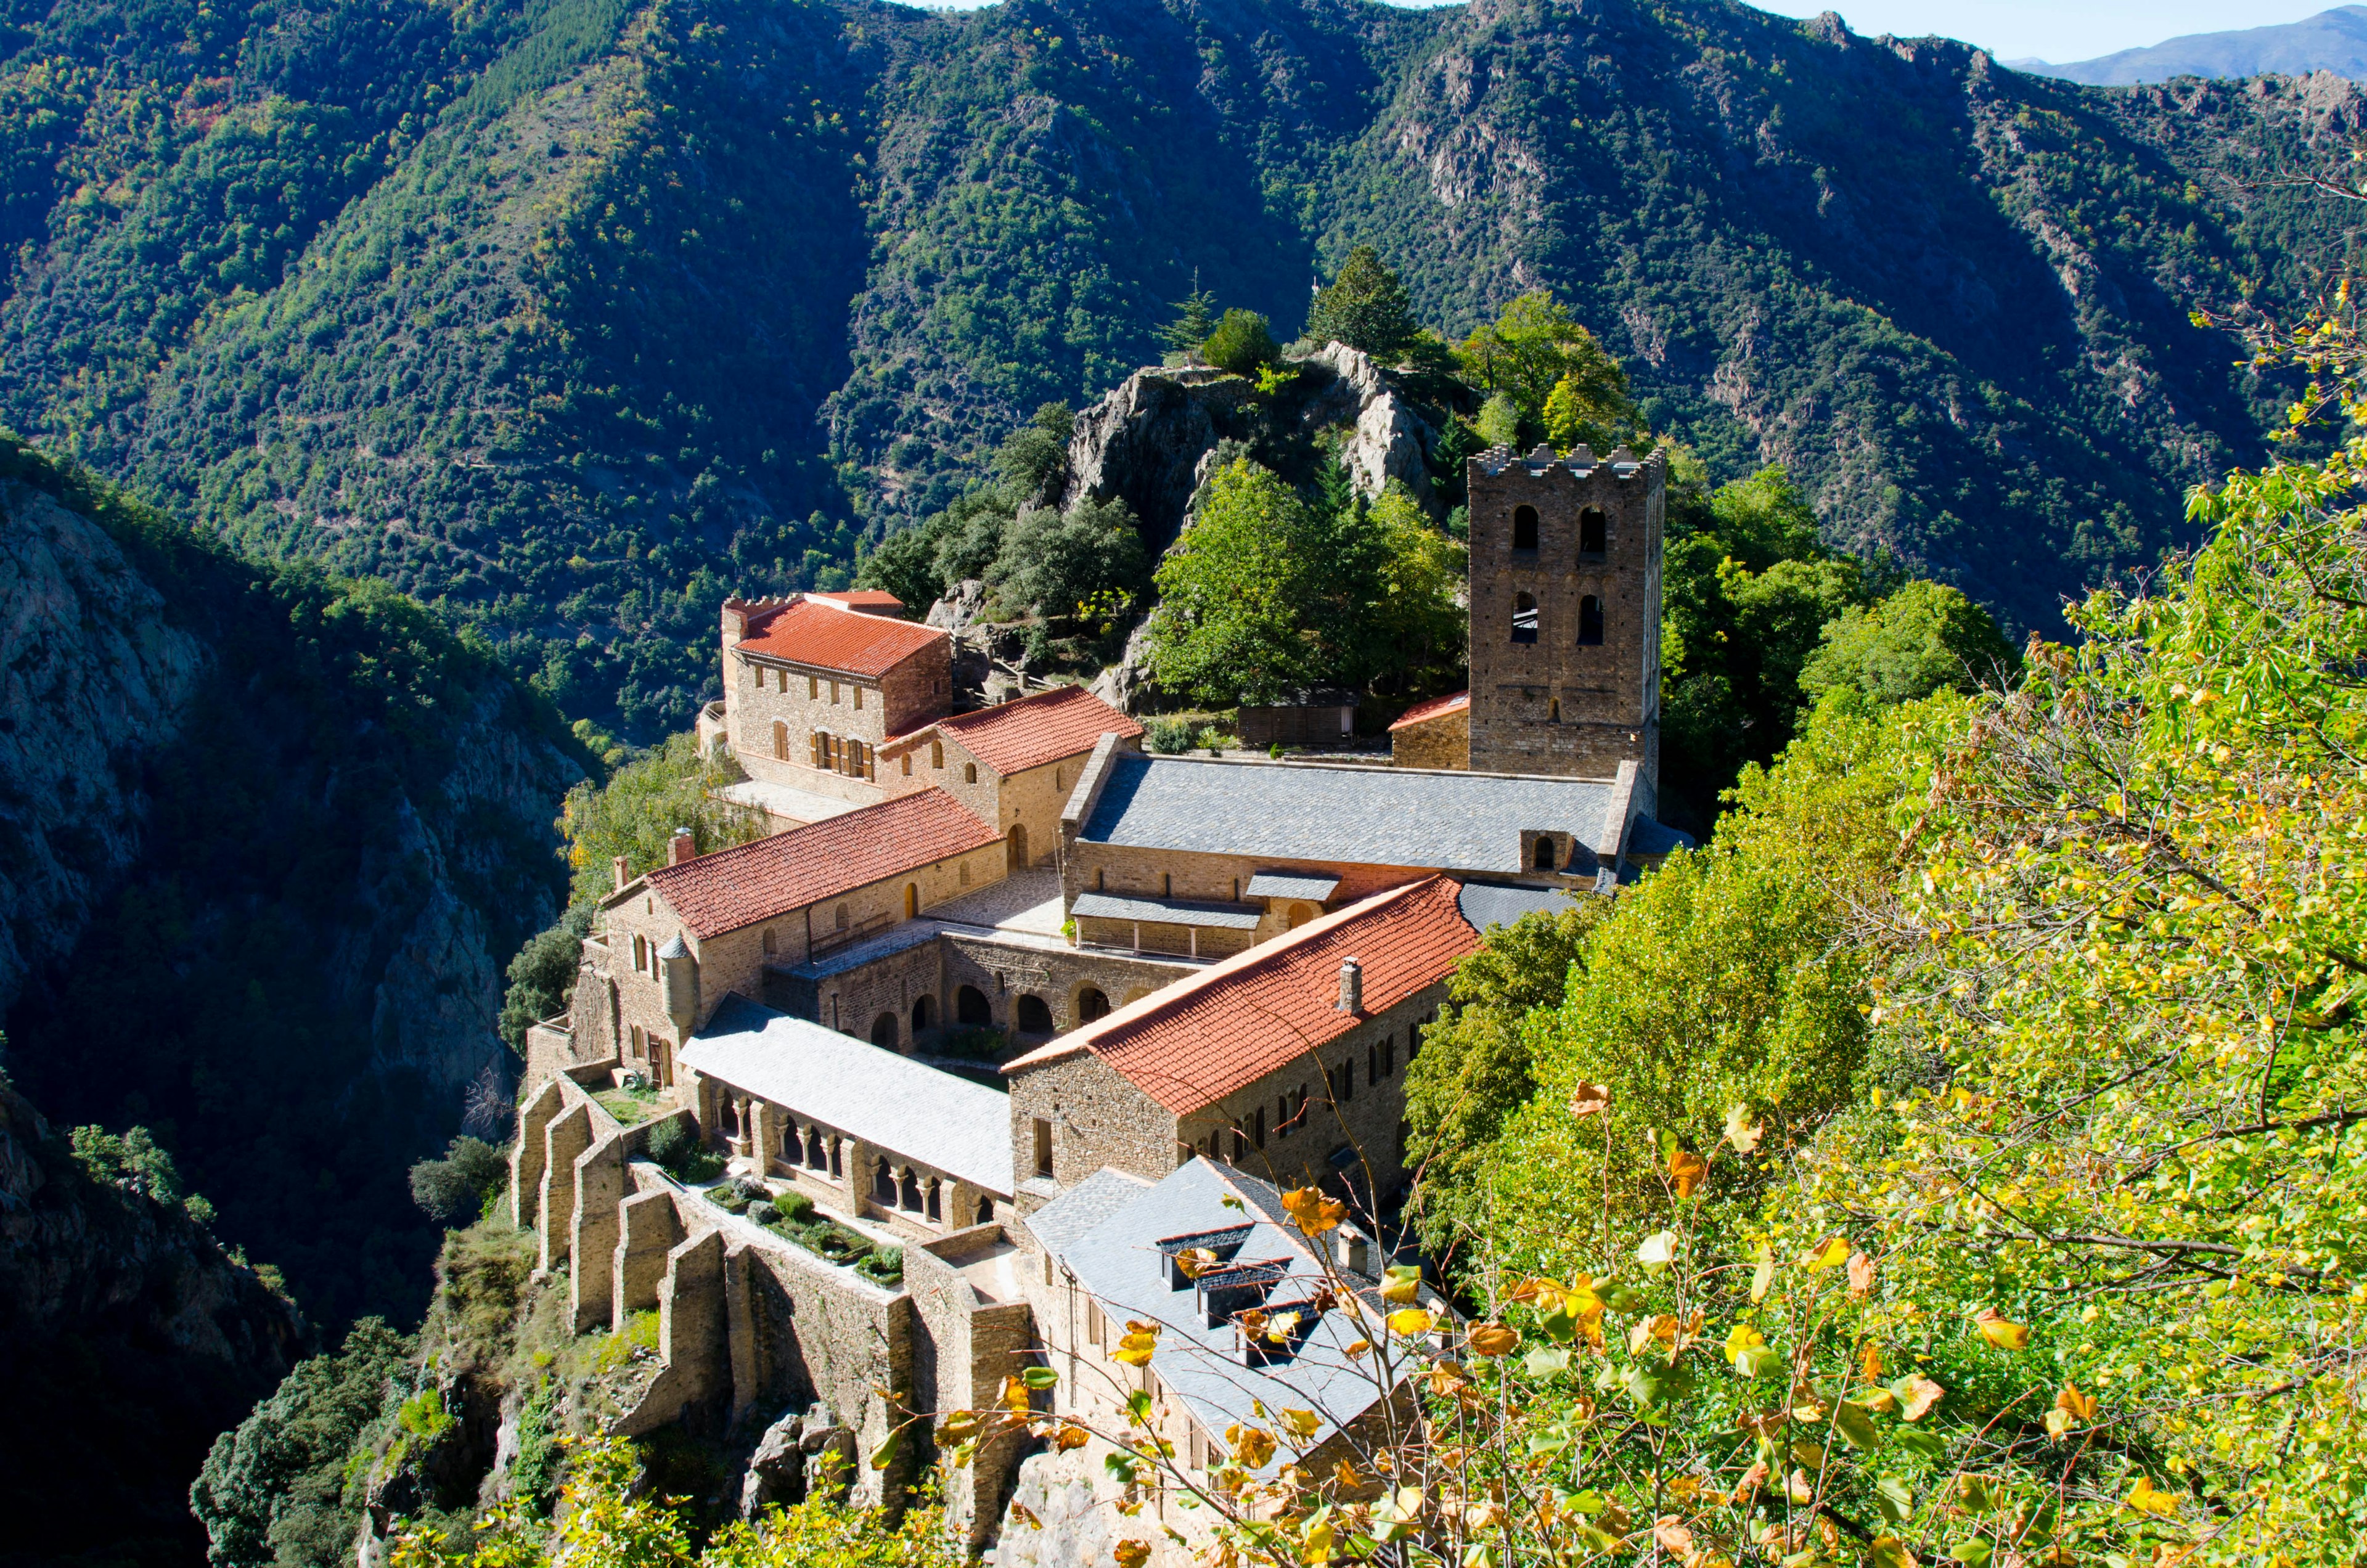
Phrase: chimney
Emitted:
{"points": [[680, 849], [1351, 986], [622, 877]]}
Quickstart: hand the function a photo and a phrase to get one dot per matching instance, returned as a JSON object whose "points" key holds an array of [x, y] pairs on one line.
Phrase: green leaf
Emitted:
{"points": [[1856, 1426], [1544, 1360], [1893, 1499], [1039, 1377], [1974, 1553], [1920, 1441]]}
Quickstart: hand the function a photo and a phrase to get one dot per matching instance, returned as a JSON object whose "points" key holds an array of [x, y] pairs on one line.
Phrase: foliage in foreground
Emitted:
{"points": [[608, 1514]]}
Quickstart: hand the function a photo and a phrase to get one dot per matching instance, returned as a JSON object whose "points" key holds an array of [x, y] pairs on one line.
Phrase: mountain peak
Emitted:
{"points": [[2332, 41]]}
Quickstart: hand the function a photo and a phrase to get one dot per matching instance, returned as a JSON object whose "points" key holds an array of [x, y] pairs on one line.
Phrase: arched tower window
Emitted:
{"points": [[1524, 618], [1589, 621], [1525, 527], [1593, 533]]}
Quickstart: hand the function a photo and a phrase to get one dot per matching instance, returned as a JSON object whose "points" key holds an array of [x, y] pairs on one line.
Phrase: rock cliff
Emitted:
{"points": [[132, 1341]]}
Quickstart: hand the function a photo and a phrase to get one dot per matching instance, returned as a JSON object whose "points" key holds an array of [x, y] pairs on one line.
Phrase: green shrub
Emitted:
{"points": [[794, 1207], [455, 1188], [1169, 735], [885, 1265], [535, 1472], [423, 1416], [1241, 343], [674, 1143]]}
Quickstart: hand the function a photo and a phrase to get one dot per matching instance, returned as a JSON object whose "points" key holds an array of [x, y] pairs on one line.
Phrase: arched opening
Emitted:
{"points": [[912, 901], [1545, 854], [985, 1211], [1034, 1016], [1018, 847], [780, 740], [935, 1207], [970, 1008], [1300, 915], [1552, 711], [969, 772], [883, 1182], [838, 918], [1524, 618], [817, 1153], [923, 1014], [1593, 532], [1092, 1004], [1525, 527], [883, 1031], [908, 1197], [1589, 621]]}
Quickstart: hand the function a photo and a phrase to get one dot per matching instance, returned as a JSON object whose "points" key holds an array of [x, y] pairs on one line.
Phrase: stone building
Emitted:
{"points": [[1436, 734], [1202, 858], [1564, 618], [815, 685], [1287, 1060], [1012, 764], [674, 944]]}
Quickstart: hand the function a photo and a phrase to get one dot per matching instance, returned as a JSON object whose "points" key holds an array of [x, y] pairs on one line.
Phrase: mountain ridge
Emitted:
{"points": [[2333, 41]]}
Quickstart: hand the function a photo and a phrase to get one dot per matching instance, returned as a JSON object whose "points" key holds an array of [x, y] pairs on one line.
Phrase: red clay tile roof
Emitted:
{"points": [[826, 637], [1435, 707], [1192, 1044], [736, 887], [863, 599], [1013, 737]]}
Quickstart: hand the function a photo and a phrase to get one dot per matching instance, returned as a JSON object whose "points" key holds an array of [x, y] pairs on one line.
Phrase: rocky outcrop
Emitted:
{"points": [[94, 679], [131, 1340], [793, 1451], [1148, 441]]}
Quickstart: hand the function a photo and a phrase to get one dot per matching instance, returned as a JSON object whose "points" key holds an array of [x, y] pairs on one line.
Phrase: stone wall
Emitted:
{"points": [[1443, 742], [1096, 1117], [1556, 704], [891, 987]]}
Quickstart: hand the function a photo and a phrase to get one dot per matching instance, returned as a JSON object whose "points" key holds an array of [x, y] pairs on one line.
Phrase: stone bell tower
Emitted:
{"points": [[1566, 613]]}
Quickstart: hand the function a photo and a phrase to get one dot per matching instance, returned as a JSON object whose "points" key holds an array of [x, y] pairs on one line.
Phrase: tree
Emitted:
{"points": [[1499, 422], [634, 814], [1366, 308], [452, 1189], [543, 976], [272, 1491], [1408, 621], [1475, 1068], [1196, 318], [1235, 621], [1534, 346], [1240, 345], [1070, 567], [1033, 459], [1924, 638]]}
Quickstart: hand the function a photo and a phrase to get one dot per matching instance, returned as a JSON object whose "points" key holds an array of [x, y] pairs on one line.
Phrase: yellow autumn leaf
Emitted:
{"points": [[1311, 1212], [1999, 1332], [1741, 1132], [1861, 1275], [1763, 1277], [1401, 1284], [1072, 1437], [1587, 1099], [1686, 1170], [1917, 1394], [1014, 1396], [1742, 1338], [1135, 1349], [2072, 1408], [1410, 1320], [1252, 1446], [1131, 1553], [2150, 1499], [1302, 1423], [1493, 1340], [1829, 1253]]}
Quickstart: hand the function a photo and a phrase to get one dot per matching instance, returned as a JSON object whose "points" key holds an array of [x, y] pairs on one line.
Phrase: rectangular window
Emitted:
{"points": [[1093, 1323], [813, 744], [813, 686], [907, 764], [641, 1045], [1257, 1128], [858, 699], [1389, 1055], [833, 693], [1043, 1147], [1240, 1146]]}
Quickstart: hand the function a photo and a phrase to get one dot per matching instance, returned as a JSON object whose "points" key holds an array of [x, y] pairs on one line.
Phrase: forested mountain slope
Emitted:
{"points": [[572, 315]]}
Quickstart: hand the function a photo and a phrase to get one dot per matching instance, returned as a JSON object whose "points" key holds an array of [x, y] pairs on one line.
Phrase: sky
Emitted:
{"points": [[2057, 30]]}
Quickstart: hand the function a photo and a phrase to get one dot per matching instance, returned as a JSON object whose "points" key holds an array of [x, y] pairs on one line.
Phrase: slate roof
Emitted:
{"points": [[1290, 884], [1030, 732], [739, 887], [1189, 1045], [1434, 707], [1166, 911], [1448, 821], [823, 637], [1113, 1251], [1485, 904], [904, 1106], [1650, 836], [1061, 1222]]}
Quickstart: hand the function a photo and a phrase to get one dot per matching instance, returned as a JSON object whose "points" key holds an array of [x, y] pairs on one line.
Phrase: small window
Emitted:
{"points": [[858, 699], [1100, 880], [1167, 885], [1257, 1128], [1552, 711], [965, 873], [1043, 1147], [1545, 854], [907, 764], [839, 919], [768, 939], [936, 754], [813, 685], [820, 749], [780, 740], [1524, 618], [1593, 533], [1589, 621], [969, 772], [1525, 527], [1389, 1054]]}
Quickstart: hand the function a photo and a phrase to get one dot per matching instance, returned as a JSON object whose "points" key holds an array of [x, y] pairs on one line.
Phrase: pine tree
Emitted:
{"points": [[1366, 308], [1196, 320]]}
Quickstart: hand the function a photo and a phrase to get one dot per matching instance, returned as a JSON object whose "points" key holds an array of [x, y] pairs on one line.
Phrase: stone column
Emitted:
{"points": [[569, 1135], [763, 1137]]}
